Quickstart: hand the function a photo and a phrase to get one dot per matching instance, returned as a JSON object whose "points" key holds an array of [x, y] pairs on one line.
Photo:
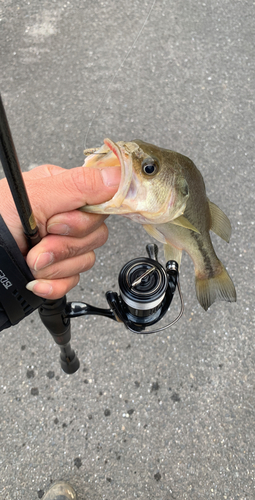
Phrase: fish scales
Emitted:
{"points": [[165, 192]]}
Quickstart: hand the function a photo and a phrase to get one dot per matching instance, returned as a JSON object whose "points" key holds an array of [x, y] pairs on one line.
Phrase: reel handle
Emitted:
{"points": [[152, 251]]}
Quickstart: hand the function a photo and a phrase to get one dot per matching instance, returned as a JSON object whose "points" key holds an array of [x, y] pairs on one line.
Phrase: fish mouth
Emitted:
{"points": [[102, 158], [132, 197]]}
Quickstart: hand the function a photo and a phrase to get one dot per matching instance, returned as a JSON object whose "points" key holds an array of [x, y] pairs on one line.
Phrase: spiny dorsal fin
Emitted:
{"points": [[183, 222], [220, 223]]}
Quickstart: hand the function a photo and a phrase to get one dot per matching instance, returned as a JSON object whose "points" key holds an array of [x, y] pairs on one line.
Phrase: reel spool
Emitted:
{"points": [[146, 292], [143, 284]]}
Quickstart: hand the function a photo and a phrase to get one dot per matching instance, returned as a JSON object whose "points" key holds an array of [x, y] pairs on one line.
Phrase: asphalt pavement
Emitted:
{"points": [[167, 416]]}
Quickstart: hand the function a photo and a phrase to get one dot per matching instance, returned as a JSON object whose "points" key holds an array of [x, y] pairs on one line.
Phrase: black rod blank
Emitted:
{"points": [[15, 180]]}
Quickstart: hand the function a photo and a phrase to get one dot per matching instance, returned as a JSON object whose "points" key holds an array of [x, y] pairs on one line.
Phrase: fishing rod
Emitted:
{"points": [[146, 288], [52, 312]]}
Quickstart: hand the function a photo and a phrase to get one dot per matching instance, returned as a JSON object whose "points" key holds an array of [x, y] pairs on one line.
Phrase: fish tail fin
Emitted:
{"points": [[220, 286]]}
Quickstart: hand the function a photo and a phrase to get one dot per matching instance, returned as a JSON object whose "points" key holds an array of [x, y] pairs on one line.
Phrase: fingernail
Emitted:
{"points": [[58, 228], [111, 176], [40, 288], [43, 260]]}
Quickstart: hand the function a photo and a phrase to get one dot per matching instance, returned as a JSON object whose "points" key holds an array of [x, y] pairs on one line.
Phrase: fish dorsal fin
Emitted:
{"points": [[220, 223], [183, 222]]}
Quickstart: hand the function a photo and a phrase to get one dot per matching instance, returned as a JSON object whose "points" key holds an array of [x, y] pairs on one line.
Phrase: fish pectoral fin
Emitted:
{"points": [[154, 232], [183, 222], [172, 253], [220, 223]]}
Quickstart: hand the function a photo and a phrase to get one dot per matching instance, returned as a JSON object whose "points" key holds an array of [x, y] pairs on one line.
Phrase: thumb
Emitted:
{"points": [[66, 190]]}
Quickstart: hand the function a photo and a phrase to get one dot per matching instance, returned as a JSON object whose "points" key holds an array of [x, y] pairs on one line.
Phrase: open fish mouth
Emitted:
{"points": [[138, 198], [112, 154]]}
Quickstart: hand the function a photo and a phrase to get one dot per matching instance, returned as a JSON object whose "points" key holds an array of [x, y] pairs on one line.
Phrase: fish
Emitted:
{"points": [[165, 192]]}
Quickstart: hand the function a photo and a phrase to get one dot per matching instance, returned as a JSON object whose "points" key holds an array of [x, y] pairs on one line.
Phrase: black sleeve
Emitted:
{"points": [[16, 302]]}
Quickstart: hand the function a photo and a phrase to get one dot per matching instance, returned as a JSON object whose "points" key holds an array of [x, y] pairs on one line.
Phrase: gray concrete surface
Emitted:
{"points": [[169, 416]]}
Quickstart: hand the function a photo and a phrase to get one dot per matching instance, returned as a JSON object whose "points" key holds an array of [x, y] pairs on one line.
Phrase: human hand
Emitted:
{"points": [[69, 236]]}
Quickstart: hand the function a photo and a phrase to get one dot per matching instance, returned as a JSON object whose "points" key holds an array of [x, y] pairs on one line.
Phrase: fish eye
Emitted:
{"points": [[150, 166]]}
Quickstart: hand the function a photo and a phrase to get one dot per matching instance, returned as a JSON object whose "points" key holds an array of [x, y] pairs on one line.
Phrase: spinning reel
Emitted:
{"points": [[146, 290]]}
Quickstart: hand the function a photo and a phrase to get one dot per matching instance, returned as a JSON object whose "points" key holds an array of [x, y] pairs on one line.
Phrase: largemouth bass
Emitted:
{"points": [[165, 192]]}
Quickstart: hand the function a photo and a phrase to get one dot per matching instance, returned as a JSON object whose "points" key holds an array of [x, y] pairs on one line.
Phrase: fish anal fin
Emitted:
{"points": [[220, 224], [172, 253], [183, 222], [154, 232], [219, 287]]}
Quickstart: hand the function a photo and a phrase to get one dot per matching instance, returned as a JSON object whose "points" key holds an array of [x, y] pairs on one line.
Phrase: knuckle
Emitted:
{"points": [[89, 262], [62, 286], [67, 251], [85, 179], [103, 234], [98, 237], [72, 251], [71, 283]]}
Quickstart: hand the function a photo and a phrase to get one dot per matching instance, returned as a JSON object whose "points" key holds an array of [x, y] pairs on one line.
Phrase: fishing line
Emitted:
{"points": [[117, 71]]}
